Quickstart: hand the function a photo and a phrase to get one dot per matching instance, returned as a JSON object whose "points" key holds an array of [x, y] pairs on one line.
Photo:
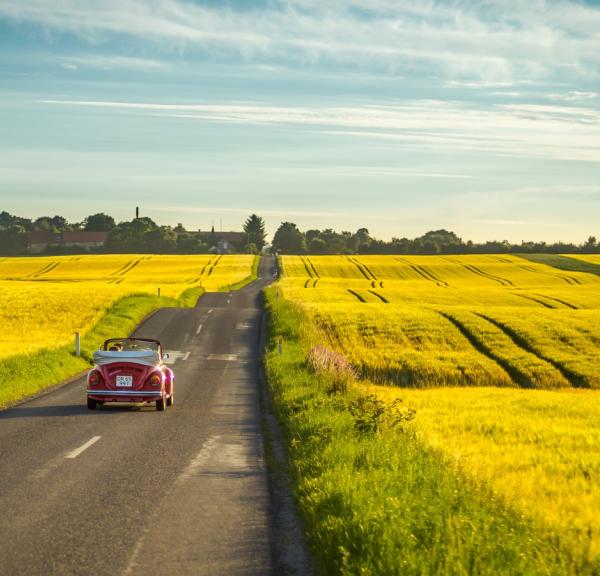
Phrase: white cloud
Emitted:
{"points": [[111, 63], [539, 131], [473, 44], [574, 96]]}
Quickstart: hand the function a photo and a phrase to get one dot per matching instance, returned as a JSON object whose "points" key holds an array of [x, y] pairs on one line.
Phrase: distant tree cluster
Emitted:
{"points": [[140, 235], [288, 239]]}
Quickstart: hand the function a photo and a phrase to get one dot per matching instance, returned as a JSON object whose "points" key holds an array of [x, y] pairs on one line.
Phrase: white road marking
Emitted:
{"points": [[199, 329], [186, 356], [79, 450], [174, 355], [210, 311], [243, 326], [227, 357]]}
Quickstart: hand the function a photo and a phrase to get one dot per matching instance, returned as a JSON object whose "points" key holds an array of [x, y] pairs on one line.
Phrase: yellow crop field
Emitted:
{"points": [[463, 320], [497, 355], [592, 258], [43, 301], [537, 450]]}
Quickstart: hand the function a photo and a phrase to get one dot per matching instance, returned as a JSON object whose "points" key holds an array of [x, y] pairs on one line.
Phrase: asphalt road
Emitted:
{"points": [[127, 490]]}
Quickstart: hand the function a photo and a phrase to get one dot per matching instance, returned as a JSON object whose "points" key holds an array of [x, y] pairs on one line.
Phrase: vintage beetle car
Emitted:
{"points": [[130, 370]]}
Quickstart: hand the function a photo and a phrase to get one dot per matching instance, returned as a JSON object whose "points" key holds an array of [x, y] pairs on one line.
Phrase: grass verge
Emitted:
{"points": [[376, 501], [251, 278], [25, 375]]}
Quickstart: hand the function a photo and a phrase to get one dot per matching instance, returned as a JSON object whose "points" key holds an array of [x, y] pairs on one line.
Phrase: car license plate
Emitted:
{"points": [[124, 381]]}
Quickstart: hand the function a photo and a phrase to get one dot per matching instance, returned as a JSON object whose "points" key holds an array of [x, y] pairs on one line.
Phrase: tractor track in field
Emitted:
{"points": [[313, 275], [49, 268], [536, 300], [196, 279], [482, 273], [211, 269], [566, 278], [357, 295], [560, 301], [380, 296], [552, 304], [118, 276], [424, 273], [366, 272], [576, 380], [521, 379], [518, 377]]}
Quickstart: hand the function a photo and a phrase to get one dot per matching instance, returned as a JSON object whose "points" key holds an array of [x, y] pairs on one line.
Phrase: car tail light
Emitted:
{"points": [[155, 380], [94, 378]]}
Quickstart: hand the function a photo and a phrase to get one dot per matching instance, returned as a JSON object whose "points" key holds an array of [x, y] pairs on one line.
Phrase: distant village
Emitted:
{"points": [[89, 241], [99, 233]]}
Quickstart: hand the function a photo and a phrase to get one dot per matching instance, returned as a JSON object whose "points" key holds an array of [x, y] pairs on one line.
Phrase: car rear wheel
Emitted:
{"points": [[91, 404], [162, 403], [171, 398]]}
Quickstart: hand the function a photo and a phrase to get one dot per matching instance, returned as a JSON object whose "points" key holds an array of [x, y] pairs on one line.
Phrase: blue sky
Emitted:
{"points": [[400, 116]]}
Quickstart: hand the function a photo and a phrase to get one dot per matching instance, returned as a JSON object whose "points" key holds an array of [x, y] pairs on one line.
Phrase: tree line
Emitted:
{"points": [[140, 235], [143, 235], [288, 239]]}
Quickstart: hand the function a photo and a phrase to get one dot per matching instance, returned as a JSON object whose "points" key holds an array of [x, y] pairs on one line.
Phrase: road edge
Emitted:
{"points": [[289, 549]]}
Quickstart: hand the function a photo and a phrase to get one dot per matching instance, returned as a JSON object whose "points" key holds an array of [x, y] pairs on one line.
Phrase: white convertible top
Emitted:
{"points": [[145, 357]]}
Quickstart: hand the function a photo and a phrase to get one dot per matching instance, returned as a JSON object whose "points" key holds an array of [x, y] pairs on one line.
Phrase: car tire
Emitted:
{"points": [[171, 398], [162, 403], [92, 404]]}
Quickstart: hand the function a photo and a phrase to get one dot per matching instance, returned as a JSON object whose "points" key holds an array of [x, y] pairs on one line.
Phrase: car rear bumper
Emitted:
{"points": [[124, 395]]}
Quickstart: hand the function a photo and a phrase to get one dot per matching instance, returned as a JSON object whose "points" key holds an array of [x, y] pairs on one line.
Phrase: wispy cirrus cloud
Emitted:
{"points": [[111, 63], [574, 96], [526, 130], [491, 44]]}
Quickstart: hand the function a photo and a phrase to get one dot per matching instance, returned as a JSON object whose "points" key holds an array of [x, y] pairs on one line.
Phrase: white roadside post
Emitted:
{"points": [[158, 291], [77, 345]]}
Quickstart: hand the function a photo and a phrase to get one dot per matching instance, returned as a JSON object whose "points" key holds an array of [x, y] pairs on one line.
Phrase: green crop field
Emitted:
{"points": [[442, 411]]}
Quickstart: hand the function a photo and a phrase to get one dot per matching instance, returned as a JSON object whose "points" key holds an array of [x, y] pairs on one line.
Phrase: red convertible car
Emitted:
{"points": [[130, 370]]}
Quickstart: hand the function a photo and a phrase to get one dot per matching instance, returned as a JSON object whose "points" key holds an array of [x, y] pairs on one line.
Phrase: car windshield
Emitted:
{"points": [[130, 345]]}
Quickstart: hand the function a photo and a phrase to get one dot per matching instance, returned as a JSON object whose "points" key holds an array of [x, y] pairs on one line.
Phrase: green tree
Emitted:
{"points": [[288, 239], [161, 240], [13, 239], [317, 246], [99, 223], [7, 220], [130, 236], [310, 235], [53, 224], [254, 227]]}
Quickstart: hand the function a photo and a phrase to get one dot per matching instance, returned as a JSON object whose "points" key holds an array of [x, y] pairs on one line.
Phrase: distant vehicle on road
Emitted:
{"points": [[130, 370]]}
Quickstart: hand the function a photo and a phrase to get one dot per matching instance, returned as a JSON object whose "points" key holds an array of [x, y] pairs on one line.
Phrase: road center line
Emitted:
{"points": [[79, 450], [186, 355], [210, 311], [199, 329]]}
